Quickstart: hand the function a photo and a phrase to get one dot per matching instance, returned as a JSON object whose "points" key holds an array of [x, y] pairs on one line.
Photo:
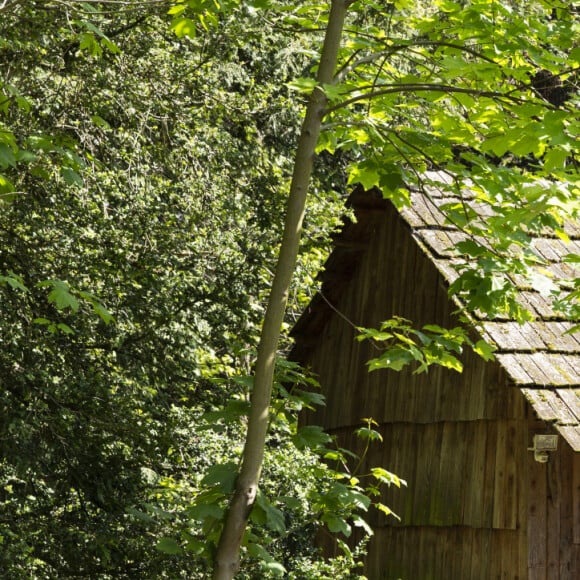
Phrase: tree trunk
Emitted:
{"points": [[226, 562]]}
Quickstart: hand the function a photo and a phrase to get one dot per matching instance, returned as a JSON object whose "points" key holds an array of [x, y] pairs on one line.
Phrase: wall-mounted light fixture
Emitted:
{"points": [[543, 445]]}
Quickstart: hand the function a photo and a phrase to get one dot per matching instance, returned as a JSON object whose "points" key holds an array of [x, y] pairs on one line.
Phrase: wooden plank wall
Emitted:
{"points": [[466, 491], [459, 440], [554, 514], [395, 278], [423, 553], [459, 473]]}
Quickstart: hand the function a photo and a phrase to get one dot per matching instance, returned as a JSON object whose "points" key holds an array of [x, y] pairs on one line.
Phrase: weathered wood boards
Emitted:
{"points": [[478, 505]]}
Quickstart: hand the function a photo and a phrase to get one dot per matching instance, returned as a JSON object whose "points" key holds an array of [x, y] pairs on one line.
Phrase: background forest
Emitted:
{"points": [[145, 161], [144, 180]]}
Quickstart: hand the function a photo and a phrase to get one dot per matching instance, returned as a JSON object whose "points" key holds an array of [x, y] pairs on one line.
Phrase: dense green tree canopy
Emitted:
{"points": [[143, 184]]}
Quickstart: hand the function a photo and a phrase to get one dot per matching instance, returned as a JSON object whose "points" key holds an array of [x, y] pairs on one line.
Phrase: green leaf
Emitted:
{"points": [[202, 511], [7, 156], [332, 92], [293, 503], [470, 248], [404, 339], [498, 145], [356, 498], [484, 350], [344, 548], [100, 122], [260, 4], [71, 176], [177, 9], [377, 335], [326, 142], [196, 547], [369, 434], [434, 328], [102, 312], [386, 510], [110, 45], [309, 399], [159, 513], [391, 181], [303, 85], [555, 159], [61, 296], [274, 517], [311, 436], [394, 358], [140, 515], [572, 258], [359, 522], [14, 282], [223, 475], [183, 27], [275, 568], [25, 156], [65, 328], [366, 173], [259, 552], [337, 524], [88, 42], [6, 187], [447, 360], [168, 546], [387, 477], [99, 309], [233, 411]]}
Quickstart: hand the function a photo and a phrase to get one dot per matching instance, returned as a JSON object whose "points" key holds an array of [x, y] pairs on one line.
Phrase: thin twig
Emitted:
{"points": [[423, 87]]}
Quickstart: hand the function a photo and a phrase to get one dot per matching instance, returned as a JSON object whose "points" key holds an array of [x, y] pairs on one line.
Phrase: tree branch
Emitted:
{"points": [[422, 87], [5, 6]]}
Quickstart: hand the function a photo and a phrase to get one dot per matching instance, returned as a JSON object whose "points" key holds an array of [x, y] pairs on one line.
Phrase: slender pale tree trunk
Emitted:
{"points": [[227, 558]]}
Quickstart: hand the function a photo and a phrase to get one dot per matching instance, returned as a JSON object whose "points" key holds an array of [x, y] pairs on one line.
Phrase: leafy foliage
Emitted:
{"points": [[134, 266], [402, 345], [292, 503], [459, 70], [451, 89]]}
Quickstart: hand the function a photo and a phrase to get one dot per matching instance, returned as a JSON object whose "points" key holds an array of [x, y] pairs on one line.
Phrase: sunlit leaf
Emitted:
{"points": [[183, 27], [386, 510], [484, 350]]}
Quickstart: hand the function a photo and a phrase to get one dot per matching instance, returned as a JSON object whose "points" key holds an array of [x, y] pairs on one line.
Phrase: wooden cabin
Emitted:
{"points": [[484, 499]]}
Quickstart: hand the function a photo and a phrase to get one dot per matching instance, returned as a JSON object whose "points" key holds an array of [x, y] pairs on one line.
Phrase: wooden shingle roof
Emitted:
{"points": [[539, 356]]}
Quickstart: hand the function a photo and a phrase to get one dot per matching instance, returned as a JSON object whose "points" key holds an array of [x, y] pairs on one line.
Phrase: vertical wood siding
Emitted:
{"points": [[554, 514], [473, 506]]}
